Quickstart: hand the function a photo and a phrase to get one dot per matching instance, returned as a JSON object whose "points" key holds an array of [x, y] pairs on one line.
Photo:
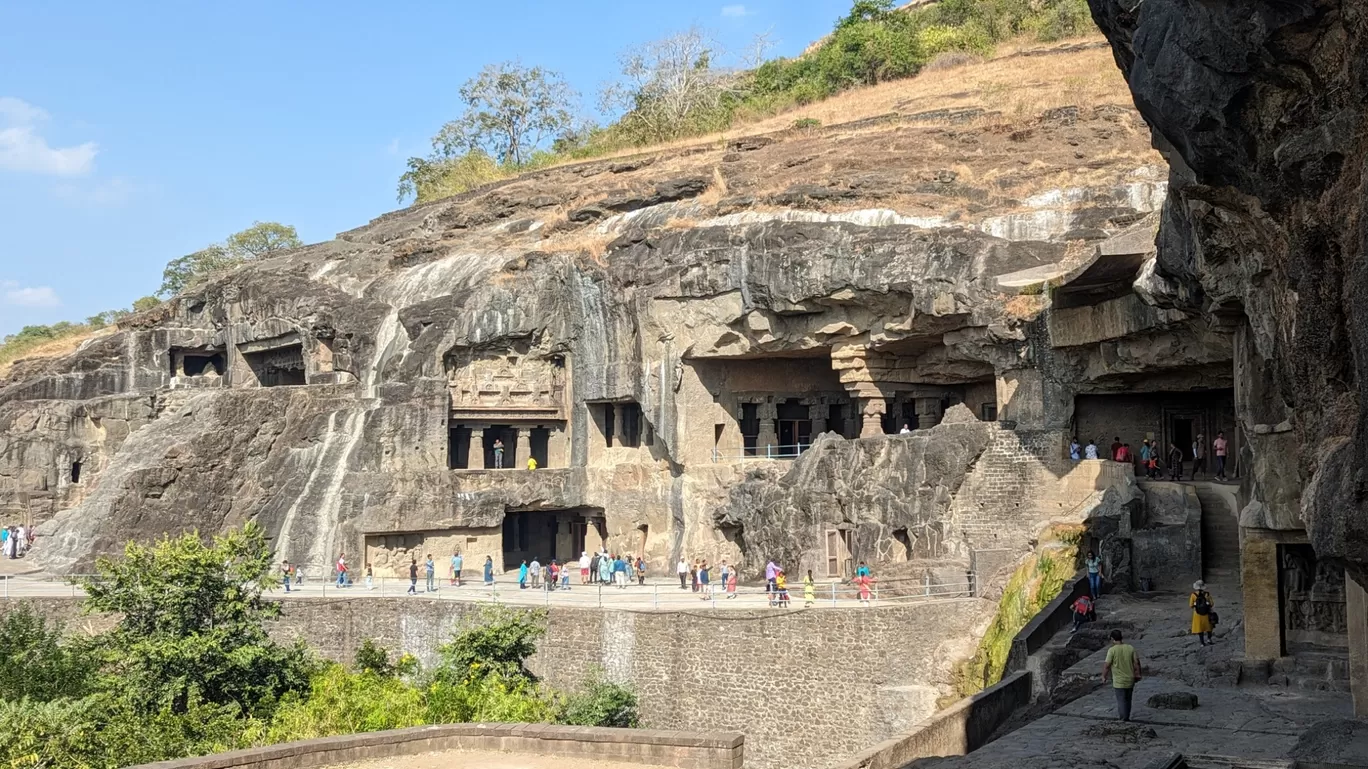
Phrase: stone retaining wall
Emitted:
{"points": [[686, 750], [955, 731]]}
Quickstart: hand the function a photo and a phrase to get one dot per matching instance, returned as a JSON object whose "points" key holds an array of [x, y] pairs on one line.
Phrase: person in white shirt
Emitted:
{"points": [[1091, 451], [584, 567], [683, 571], [906, 430]]}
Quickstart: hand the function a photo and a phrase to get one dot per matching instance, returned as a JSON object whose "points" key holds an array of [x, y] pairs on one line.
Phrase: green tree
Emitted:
{"points": [[145, 303], [37, 662], [866, 10], [192, 624], [498, 642], [261, 240], [510, 110], [435, 178]]}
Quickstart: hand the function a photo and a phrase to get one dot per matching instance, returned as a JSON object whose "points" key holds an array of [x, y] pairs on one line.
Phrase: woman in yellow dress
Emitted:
{"points": [[1200, 601]]}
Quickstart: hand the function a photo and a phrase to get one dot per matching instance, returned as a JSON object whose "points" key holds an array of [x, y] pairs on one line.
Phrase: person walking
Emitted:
{"points": [[498, 454], [370, 577], [565, 577], [1175, 460], [1123, 667], [584, 563], [489, 570], [342, 570], [456, 563], [522, 576], [771, 569], [594, 567], [731, 582], [1145, 451], [1082, 608], [620, 571], [534, 570], [641, 571], [682, 569], [809, 591], [1090, 452], [693, 575], [1094, 565], [413, 576], [781, 587], [1219, 447], [1202, 614], [285, 575], [606, 569], [1198, 455], [430, 571]]}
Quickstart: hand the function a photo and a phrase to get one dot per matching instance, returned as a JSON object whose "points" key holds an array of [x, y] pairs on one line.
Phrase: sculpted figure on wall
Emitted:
{"points": [[510, 382]]}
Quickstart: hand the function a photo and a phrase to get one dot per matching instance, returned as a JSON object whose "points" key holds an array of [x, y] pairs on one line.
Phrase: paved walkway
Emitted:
{"points": [[1251, 722], [657, 595], [477, 759]]}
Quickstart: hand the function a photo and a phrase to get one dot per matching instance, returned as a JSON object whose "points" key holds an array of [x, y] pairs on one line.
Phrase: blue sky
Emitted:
{"points": [[132, 133]]}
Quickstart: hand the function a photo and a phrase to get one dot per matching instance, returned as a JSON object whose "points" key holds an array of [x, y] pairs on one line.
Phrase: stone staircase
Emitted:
{"points": [[1220, 535]]}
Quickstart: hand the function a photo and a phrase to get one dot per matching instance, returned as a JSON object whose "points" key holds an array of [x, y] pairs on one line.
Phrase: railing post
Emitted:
{"points": [[769, 451], [876, 592], [600, 595], [655, 596], [833, 594]]}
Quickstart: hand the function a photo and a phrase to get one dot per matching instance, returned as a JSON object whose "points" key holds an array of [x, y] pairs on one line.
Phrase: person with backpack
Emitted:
{"points": [[1203, 618], [1082, 609]]}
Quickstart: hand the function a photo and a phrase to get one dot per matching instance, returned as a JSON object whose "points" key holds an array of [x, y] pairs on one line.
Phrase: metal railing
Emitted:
{"points": [[768, 451], [655, 594]]}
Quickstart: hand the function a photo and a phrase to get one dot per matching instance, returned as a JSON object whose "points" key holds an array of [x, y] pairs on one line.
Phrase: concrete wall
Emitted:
{"points": [[686, 750], [807, 687]]}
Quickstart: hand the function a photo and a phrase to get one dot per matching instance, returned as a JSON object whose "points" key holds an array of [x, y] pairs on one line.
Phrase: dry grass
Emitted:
{"points": [[1008, 82], [54, 349]]}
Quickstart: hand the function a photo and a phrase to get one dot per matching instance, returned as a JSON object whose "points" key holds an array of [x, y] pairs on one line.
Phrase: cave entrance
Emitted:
{"points": [[547, 535], [794, 427], [1164, 419], [278, 366]]}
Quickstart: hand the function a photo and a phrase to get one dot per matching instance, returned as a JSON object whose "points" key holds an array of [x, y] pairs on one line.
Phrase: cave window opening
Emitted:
{"points": [[76, 472], [202, 365], [794, 427], [278, 367], [988, 412], [835, 422], [458, 447], [904, 550], [631, 425], [539, 443], [609, 423]]}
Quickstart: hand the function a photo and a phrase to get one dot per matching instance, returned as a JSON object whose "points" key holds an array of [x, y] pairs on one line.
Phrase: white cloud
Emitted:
{"points": [[22, 148], [736, 11], [29, 296]]}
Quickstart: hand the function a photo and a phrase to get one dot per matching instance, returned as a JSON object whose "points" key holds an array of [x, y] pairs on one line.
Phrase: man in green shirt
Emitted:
{"points": [[1123, 665]]}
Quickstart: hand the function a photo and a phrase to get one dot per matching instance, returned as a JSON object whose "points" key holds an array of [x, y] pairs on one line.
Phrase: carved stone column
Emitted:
{"points": [[558, 447], [475, 452], [873, 411], [523, 442], [768, 435], [928, 412]]}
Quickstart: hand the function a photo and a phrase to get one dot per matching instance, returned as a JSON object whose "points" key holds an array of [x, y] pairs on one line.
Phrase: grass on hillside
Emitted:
{"points": [[17, 347]]}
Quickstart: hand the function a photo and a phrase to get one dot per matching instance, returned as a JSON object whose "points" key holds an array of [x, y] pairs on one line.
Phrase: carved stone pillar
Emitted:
{"points": [[1356, 612], [558, 447], [768, 436], [475, 452], [619, 424], [873, 411], [928, 412], [523, 441]]}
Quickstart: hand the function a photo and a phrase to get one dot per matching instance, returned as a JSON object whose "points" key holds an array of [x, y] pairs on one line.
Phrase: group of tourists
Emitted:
{"points": [[15, 541], [1152, 459], [698, 577], [601, 568]]}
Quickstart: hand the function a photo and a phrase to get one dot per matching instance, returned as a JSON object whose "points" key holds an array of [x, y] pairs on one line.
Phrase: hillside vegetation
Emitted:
{"points": [[677, 87]]}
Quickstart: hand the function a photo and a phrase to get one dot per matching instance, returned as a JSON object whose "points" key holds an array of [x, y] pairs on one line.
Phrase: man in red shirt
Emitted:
{"points": [[1116, 449], [1218, 447]]}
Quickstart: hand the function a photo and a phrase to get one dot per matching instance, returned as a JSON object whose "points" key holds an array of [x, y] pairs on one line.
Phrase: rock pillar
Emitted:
{"points": [[1259, 574], [1356, 611], [928, 412], [768, 441], [619, 424], [558, 447], [523, 442], [475, 453], [819, 423], [873, 411]]}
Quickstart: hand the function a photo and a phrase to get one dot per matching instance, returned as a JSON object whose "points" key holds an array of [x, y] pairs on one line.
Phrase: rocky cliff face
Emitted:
{"points": [[663, 333], [1260, 110]]}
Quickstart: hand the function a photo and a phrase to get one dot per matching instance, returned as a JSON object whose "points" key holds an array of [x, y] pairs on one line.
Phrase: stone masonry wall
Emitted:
{"points": [[806, 687]]}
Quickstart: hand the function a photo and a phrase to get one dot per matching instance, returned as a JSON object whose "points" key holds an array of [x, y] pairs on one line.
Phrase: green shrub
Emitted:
{"points": [[602, 703], [807, 123], [497, 641], [36, 662]]}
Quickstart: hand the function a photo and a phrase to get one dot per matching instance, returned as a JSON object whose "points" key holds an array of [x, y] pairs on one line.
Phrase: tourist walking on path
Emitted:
{"points": [[1082, 609], [1202, 615], [809, 590], [1198, 456], [771, 569], [693, 576], [731, 583], [620, 571], [682, 569], [498, 454], [430, 571], [1218, 447], [1123, 666], [342, 570], [1094, 565], [285, 575], [370, 577], [594, 567], [781, 586], [1091, 451], [489, 570], [565, 577], [534, 570], [1175, 460], [584, 562], [606, 569], [1075, 450], [456, 563], [522, 576], [1145, 451], [413, 576], [641, 571], [862, 584], [704, 585]]}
